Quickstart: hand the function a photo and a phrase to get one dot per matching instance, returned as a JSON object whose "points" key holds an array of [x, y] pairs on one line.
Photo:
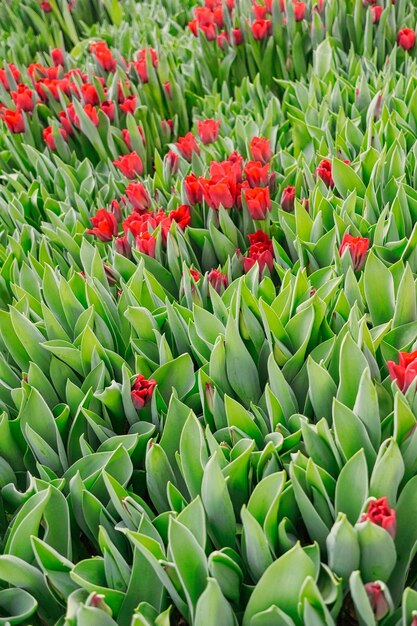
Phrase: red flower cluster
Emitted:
{"points": [[105, 225], [381, 514], [209, 20], [260, 251], [140, 64], [405, 372], [141, 391], [357, 246]]}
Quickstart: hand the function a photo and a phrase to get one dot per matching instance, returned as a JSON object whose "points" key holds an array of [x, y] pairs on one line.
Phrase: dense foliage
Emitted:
{"points": [[208, 313]]}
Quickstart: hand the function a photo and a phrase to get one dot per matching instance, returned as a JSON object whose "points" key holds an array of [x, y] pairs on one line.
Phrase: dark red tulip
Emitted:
{"points": [[381, 514], [357, 246], [141, 391]]}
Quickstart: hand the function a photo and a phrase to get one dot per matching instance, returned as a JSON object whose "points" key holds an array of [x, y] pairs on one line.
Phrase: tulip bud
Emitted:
{"points": [[343, 547], [377, 599]]}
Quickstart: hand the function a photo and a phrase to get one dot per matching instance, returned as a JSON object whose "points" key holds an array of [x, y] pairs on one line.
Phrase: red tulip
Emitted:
{"points": [[357, 246], [237, 36], [129, 104], [379, 513], [218, 280], [89, 94], [23, 98], [91, 113], [103, 56], [123, 246], [376, 12], [172, 161], [3, 75], [299, 11], [107, 106], [406, 38], [187, 145], [138, 197], [261, 29], [377, 600], [14, 120], [288, 198], [141, 391], [146, 243], [193, 189], [105, 225], [49, 138], [130, 165], [324, 171], [259, 11], [195, 274], [182, 216], [258, 202], [208, 130], [257, 174], [57, 56], [260, 149], [217, 192], [45, 6], [405, 372]]}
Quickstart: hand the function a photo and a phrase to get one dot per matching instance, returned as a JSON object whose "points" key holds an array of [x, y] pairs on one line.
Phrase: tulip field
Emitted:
{"points": [[208, 313]]}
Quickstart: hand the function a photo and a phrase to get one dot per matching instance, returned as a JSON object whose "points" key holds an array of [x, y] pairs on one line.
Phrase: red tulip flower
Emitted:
{"points": [[406, 38], [405, 372], [261, 29], [208, 130], [377, 600], [130, 165], [299, 11], [357, 246], [376, 12], [57, 57], [257, 174], [103, 56], [89, 94], [146, 243], [379, 513], [324, 171], [105, 225], [260, 149], [288, 198], [23, 98], [195, 274], [218, 280], [141, 391], [187, 145], [123, 246], [172, 161], [107, 106], [193, 189], [258, 202], [14, 120], [217, 192], [3, 75], [138, 197], [182, 216], [49, 139]]}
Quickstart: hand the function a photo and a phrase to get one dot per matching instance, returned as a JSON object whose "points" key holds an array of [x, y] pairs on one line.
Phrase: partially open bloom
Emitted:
{"points": [[208, 130], [103, 55], [105, 225], [14, 120], [258, 202], [218, 280], [260, 251], [381, 514], [260, 149], [187, 145], [257, 174], [3, 75], [89, 94], [193, 189], [182, 216], [142, 390], [23, 98], [138, 197], [146, 243], [324, 171], [130, 165], [48, 136], [261, 29], [217, 192], [129, 104], [357, 246], [405, 372], [406, 38]]}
